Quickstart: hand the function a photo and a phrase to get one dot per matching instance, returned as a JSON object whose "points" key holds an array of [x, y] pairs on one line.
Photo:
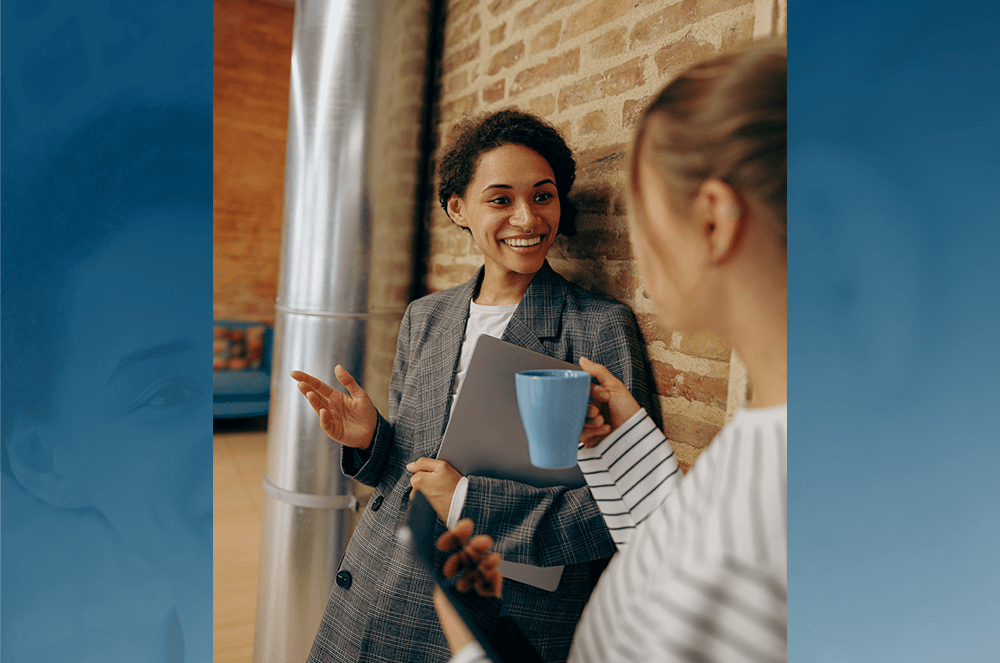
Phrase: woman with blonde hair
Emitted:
{"points": [[701, 574]]}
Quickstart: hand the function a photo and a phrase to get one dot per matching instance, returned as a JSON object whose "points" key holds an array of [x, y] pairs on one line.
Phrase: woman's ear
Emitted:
{"points": [[456, 209], [722, 213], [38, 462]]}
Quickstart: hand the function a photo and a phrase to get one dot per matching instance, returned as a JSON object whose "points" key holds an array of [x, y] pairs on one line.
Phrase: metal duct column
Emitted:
{"points": [[351, 131]]}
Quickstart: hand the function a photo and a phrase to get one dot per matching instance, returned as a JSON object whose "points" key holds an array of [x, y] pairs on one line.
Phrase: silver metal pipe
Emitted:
{"points": [[351, 99]]}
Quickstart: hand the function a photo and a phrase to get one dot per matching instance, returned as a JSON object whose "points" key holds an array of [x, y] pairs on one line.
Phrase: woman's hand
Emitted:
{"points": [[611, 393], [437, 480], [455, 631], [471, 562], [349, 419]]}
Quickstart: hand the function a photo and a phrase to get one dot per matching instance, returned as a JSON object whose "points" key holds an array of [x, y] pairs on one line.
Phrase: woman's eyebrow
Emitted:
{"points": [[156, 352], [507, 186]]}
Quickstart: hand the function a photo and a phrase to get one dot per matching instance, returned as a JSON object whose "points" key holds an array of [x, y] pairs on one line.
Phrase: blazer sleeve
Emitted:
{"points": [[559, 526], [366, 466]]}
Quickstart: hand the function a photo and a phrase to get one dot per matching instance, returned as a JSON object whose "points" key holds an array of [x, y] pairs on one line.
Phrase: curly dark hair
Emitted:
{"points": [[478, 134]]}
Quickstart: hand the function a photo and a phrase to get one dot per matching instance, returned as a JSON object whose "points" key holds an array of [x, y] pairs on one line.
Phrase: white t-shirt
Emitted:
{"points": [[491, 321]]}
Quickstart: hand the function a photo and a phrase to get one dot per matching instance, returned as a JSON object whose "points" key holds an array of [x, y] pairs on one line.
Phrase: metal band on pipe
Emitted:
{"points": [[332, 314], [307, 501]]}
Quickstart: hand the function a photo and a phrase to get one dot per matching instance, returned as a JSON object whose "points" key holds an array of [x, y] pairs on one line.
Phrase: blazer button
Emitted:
{"points": [[344, 579], [377, 503]]}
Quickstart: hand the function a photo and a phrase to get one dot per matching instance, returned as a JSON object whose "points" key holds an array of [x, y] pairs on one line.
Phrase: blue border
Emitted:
{"points": [[893, 318], [107, 550]]}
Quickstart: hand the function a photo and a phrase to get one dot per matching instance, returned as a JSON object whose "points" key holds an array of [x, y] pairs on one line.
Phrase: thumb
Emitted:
{"points": [[346, 379], [602, 374]]}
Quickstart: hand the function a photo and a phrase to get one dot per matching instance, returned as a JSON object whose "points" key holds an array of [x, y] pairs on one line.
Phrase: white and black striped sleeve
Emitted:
{"points": [[630, 473]]}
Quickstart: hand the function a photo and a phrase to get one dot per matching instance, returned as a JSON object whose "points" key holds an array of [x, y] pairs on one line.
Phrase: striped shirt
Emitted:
{"points": [[703, 576], [701, 572]]}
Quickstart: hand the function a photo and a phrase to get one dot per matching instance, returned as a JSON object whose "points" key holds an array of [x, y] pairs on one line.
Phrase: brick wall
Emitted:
{"points": [[252, 55], [590, 67]]}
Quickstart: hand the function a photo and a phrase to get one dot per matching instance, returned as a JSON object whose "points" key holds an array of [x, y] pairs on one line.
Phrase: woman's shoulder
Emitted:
{"points": [[441, 305]]}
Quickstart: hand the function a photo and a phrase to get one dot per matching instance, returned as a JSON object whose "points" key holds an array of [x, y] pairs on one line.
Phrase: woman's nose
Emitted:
{"points": [[525, 217]]}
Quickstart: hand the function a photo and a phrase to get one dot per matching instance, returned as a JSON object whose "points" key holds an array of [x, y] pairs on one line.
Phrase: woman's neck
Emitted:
{"points": [[758, 330], [498, 289]]}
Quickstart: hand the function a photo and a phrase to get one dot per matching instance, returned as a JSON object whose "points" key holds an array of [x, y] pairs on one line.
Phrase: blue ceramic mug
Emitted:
{"points": [[553, 406]]}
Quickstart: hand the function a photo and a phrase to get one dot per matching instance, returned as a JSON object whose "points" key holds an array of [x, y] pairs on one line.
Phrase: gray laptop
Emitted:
{"points": [[485, 437]]}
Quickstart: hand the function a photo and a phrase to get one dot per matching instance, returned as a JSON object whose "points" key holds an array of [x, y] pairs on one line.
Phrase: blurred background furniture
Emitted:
{"points": [[241, 369]]}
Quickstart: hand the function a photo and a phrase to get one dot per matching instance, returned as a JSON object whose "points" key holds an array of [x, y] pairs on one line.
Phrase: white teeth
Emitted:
{"points": [[522, 242]]}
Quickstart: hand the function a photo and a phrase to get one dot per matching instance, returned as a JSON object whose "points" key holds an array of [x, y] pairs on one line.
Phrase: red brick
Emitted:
{"points": [[673, 59], [453, 83], [553, 68], [600, 162], [538, 12], [709, 7], [593, 244], [547, 37], [609, 44], [633, 110], [458, 57], [690, 386], [543, 105], [494, 92], [592, 123], [669, 20], [626, 283], [496, 34], [705, 344], [457, 31], [595, 15], [458, 9], [680, 428], [459, 107], [741, 33], [612, 82], [498, 7], [651, 330], [506, 58], [453, 274], [592, 198]]}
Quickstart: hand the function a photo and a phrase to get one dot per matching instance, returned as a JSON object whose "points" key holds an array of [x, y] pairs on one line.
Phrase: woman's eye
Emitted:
{"points": [[502, 200], [171, 394], [543, 197]]}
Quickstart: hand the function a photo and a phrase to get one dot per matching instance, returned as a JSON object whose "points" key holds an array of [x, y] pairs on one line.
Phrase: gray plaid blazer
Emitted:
{"points": [[386, 613]]}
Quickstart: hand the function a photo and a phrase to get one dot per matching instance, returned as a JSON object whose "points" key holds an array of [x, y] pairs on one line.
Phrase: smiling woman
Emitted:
{"points": [[505, 178], [107, 488]]}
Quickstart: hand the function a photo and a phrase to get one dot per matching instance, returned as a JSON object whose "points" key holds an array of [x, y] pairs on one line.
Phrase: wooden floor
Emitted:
{"points": [[238, 468]]}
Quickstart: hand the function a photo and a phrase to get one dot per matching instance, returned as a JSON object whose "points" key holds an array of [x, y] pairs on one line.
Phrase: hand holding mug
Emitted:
{"points": [[613, 395]]}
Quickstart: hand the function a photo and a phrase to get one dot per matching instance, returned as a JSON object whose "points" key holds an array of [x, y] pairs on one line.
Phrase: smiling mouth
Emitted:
{"points": [[522, 242]]}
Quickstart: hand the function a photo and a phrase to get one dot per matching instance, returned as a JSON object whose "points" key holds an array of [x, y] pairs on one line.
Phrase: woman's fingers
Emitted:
{"points": [[346, 379], [315, 384], [602, 374], [456, 536]]}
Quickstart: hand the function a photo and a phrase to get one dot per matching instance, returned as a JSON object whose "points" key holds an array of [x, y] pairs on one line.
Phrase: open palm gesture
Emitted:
{"points": [[349, 419]]}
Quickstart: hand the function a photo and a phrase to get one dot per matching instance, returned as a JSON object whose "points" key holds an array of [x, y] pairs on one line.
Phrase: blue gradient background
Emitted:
{"points": [[894, 551], [74, 587]]}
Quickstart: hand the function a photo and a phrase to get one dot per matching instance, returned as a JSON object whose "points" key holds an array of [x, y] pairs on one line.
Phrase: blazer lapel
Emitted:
{"points": [[439, 358], [539, 315]]}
